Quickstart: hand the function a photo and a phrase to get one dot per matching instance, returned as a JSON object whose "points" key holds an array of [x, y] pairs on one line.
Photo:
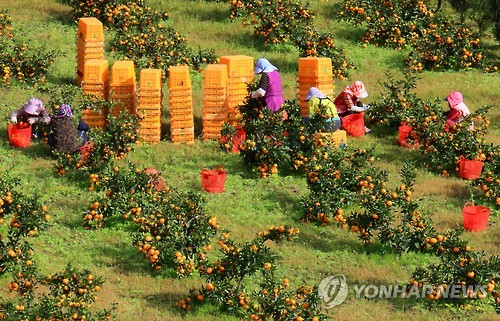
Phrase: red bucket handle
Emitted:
{"points": [[468, 204], [205, 173]]}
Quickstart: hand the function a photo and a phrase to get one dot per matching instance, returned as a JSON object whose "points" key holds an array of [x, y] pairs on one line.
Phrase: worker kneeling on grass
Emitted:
{"points": [[65, 136], [318, 100]]}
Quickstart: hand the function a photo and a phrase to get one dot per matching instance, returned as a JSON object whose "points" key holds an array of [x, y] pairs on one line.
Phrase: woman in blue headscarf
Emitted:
{"points": [[269, 89]]}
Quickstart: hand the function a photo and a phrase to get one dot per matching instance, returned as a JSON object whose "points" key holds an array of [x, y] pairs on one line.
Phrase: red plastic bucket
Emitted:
{"points": [[475, 217], [19, 135], [470, 169], [404, 132], [354, 124], [213, 181]]}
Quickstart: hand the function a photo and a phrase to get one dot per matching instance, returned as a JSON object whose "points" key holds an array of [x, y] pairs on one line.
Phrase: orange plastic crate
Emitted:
{"points": [[84, 56], [239, 67], [181, 123], [215, 76], [150, 79], [150, 131], [315, 67], [215, 116], [123, 73], [178, 77], [90, 28], [148, 100], [148, 112], [96, 71], [148, 107], [85, 45], [148, 118]]}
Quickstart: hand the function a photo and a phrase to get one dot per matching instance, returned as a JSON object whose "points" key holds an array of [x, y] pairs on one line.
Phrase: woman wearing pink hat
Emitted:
{"points": [[33, 112], [458, 110], [348, 101]]}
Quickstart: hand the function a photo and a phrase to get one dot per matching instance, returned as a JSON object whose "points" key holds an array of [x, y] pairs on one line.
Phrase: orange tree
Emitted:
{"points": [[475, 276], [397, 99], [394, 218], [442, 146], [437, 43], [488, 185], [108, 145], [35, 297], [25, 217], [17, 62], [227, 281], [66, 295], [171, 228], [272, 142], [394, 24], [285, 21]]}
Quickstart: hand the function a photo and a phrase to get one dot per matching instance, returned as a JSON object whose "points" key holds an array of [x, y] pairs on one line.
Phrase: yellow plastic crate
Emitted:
{"points": [[334, 139]]}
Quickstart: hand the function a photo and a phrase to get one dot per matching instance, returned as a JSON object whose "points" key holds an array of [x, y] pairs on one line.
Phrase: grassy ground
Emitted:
{"points": [[248, 205]]}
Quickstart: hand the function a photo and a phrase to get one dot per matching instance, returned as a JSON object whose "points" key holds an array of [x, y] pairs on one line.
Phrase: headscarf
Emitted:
{"points": [[456, 101], [314, 92], [263, 65], [357, 89], [454, 98], [34, 106], [64, 111]]}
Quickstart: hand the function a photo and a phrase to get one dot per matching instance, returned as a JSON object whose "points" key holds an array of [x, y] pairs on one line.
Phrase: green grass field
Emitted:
{"points": [[248, 204]]}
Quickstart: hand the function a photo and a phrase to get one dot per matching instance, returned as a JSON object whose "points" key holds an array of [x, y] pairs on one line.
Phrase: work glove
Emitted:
{"points": [[13, 119], [31, 121]]}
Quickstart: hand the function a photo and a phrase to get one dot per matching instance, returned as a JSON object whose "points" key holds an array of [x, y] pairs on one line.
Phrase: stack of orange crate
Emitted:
{"points": [[149, 100], [181, 104], [90, 44], [240, 70], [96, 83], [314, 72], [123, 87], [215, 112]]}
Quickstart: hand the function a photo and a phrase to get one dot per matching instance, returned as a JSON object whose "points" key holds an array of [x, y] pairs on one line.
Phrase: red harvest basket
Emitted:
{"points": [[213, 181], [354, 124]]}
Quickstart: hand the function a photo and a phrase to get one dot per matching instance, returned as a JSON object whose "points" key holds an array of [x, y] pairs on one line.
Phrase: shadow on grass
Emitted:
{"points": [[123, 257], [217, 14]]}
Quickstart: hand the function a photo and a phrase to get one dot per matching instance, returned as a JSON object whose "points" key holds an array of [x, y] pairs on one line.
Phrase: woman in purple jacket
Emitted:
{"points": [[269, 88]]}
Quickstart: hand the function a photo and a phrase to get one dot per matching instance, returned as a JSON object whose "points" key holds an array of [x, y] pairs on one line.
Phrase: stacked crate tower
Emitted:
{"points": [[181, 105], [90, 44], [317, 72], [123, 87], [240, 70], [215, 111], [149, 100], [96, 83], [314, 72]]}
